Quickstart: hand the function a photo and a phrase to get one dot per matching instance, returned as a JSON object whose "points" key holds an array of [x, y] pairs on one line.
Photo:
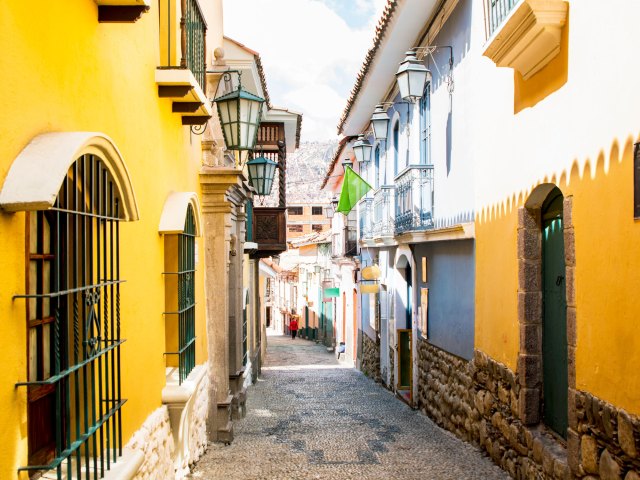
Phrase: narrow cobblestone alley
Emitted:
{"points": [[309, 416]]}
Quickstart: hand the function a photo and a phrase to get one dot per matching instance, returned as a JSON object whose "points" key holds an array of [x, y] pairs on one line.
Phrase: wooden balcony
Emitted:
{"points": [[269, 227]]}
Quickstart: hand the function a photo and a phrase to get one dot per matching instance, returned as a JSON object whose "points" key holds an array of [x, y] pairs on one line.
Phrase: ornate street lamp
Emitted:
{"points": [[240, 113], [362, 149], [347, 162], [261, 173], [330, 209], [412, 77], [380, 123]]}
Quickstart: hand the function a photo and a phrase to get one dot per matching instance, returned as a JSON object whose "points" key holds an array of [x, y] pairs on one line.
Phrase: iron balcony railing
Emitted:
{"points": [[366, 218], [193, 29], [414, 199], [495, 13], [383, 212], [185, 38]]}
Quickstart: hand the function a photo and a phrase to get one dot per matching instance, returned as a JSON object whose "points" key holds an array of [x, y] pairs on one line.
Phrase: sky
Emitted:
{"points": [[311, 51]]}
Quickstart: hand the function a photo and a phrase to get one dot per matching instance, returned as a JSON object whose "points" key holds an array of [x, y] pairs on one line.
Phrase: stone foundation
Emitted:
{"points": [[608, 438], [198, 423], [478, 401], [155, 440], [370, 365]]}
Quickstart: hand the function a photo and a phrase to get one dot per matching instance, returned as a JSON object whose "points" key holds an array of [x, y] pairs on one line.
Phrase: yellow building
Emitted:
{"points": [[111, 364]]}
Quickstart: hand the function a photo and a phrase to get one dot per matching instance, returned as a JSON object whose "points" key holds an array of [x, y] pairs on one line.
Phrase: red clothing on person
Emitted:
{"points": [[293, 325]]}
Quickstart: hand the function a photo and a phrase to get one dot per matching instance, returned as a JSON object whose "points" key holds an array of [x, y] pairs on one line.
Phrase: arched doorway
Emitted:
{"points": [[554, 318], [546, 363], [404, 314]]}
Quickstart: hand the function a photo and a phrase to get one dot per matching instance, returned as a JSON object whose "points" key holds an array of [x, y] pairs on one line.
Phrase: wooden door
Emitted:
{"points": [[404, 359], [554, 326]]}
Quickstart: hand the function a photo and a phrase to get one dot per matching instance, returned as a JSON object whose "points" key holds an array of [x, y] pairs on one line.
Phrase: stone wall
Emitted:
{"points": [[198, 423], [370, 365], [155, 441], [609, 441], [478, 402]]}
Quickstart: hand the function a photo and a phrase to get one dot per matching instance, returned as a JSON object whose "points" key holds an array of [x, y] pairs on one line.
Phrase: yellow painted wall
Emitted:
{"points": [[555, 127], [64, 71], [607, 276]]}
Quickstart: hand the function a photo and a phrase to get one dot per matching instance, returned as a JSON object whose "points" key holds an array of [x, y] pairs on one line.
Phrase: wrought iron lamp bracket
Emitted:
{"points": [[422, 52]]}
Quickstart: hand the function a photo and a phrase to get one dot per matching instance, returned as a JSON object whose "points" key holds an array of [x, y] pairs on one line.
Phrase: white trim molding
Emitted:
{"points": [[174, 213], [35, 176], [530, 37]]}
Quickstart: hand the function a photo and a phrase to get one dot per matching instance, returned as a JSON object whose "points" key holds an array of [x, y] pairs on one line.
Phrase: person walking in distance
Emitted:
{"points": [[293, 326]]}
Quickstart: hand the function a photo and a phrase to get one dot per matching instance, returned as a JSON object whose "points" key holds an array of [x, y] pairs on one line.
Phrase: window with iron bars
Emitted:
{"points": [[180, 302], [73, 327]]}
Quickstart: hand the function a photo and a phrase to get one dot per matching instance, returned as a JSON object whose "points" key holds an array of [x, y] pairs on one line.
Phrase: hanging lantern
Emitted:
{"points": [[261, 173], [362, 149], [380, 122], [240, 113], [412, 77]]}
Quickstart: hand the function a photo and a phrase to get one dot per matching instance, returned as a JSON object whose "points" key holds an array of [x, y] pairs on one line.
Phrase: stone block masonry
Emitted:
{"points": [[609, 440], [370, 357], [481, 402], [155, 440]]}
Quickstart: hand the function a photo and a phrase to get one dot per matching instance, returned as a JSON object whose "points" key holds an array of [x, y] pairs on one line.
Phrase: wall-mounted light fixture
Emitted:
{"points": [[411, 77], [362, 149], [240, 113], [380, 122], [347, 162], [330, 210]]}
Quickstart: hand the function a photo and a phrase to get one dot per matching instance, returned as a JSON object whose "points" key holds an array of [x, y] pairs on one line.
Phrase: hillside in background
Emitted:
{"points": [[306, 169]]}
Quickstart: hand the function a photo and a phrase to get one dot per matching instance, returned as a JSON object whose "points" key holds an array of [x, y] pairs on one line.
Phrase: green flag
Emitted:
{"points": [[353, 189]]}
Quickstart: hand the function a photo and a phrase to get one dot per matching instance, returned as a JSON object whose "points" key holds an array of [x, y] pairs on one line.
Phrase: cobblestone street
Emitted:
{"points": [[309, 416]]}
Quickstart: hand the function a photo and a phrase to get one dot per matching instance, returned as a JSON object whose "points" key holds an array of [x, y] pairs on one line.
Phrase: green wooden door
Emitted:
{"points": [[404, 359], [554, 327]]}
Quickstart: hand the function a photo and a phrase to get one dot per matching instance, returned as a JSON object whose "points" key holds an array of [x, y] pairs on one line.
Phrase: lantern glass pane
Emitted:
{"points": [[417, 79], [366, 153], [232, 105], [403, 84], [245, 110], [251, 136], [228, 138], [357, 150], [380, 128], [233, 143]]}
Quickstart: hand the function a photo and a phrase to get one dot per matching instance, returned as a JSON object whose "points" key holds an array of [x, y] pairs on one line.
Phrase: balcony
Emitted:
{"points": [[365, 211], [524, 34], [383, 214], [182, 75], [496, 11], [269, 230], [414, 199]]}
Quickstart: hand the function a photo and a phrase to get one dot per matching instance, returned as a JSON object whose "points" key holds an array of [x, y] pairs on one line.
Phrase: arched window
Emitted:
{"points": [[180, 225], [73, 321], [180, 297], [425, 126], [396, 147]]}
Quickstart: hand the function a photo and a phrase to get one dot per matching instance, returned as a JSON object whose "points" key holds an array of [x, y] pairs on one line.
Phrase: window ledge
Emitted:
{"points": [[121, 11], [189, 100], [174, 393], [530, 37]]}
